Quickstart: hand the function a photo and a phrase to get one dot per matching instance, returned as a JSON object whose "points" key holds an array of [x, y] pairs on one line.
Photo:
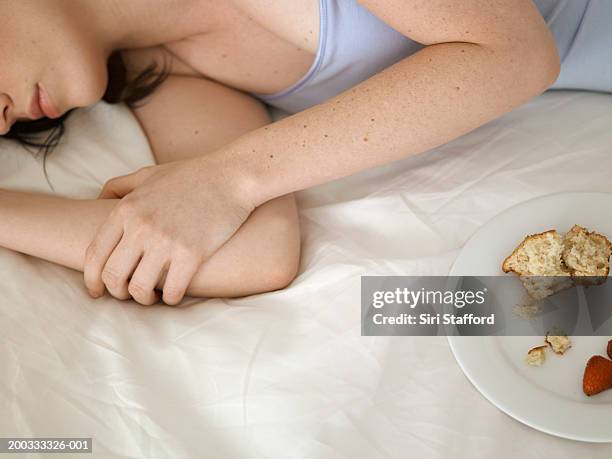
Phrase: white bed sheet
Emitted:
{"points": [[286, 374]]}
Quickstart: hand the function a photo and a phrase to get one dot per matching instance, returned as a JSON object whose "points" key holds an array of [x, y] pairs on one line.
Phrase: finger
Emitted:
{"points": [[180, 273], [118, 187], [120, 266], [145, 278], [96, 256]]}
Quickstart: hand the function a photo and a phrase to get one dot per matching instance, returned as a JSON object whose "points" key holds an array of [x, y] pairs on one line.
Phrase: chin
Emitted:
{"points": [[86, 95], [87, 85]]}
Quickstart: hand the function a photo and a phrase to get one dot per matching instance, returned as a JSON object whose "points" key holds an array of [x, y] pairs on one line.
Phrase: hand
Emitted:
{"points": [[170, 219]]}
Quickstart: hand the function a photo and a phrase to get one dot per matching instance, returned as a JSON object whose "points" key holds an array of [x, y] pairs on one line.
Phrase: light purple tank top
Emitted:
{"points": [[354, 45]]}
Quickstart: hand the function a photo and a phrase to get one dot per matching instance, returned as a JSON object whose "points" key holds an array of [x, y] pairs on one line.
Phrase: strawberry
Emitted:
{"points": [[597, 375]]}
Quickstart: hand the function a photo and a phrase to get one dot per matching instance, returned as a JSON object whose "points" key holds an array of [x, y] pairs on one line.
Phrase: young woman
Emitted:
{"points": [[370, 82]]}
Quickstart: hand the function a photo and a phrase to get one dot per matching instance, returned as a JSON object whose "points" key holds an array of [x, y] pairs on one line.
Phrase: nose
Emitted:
{"points": [[6, 115]]}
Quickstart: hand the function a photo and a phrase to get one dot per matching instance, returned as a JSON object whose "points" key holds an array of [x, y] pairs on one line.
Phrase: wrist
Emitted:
{"points": [[232, 174]]}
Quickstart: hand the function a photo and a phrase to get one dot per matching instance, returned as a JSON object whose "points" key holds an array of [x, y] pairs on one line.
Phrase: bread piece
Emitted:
{"points": [[536, 356], [587, 253], [537, 261], [559, 343], [538, 255]]}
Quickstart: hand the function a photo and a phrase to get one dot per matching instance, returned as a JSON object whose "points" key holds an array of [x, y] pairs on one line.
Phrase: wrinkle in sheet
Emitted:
{"points": [[247, 377]]}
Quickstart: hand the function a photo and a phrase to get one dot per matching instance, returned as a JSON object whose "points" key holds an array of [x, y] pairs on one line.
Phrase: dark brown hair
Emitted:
{"points": [[44, 134]]}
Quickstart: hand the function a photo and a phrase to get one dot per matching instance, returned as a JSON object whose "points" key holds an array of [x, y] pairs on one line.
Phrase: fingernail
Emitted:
{"points": [[93, 294]]}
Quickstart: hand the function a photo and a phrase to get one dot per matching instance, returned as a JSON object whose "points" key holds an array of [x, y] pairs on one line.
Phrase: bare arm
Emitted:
{"points": [[483, 59], [189, 117], [59, 230]]}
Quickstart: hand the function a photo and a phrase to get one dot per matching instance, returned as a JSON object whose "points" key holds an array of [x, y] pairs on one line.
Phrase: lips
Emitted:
{"points": [[45, 104]]}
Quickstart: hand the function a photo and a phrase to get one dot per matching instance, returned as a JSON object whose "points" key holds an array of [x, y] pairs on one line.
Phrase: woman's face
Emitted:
{"points": [[50, 61]]}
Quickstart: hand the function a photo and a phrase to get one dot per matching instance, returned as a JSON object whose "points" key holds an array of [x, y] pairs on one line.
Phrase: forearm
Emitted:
{"points": [[425, 100], [60, 229], [54, 229]]}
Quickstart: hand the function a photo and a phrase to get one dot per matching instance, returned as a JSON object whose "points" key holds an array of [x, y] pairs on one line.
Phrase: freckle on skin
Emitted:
{"points": [[196, 132], [365, 139], [463, 50], [305, 126], [271, 156], [457, 88], [224, 55], [325, 135], [372, 119]]}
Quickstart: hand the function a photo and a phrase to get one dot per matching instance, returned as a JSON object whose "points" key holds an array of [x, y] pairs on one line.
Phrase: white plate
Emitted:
{"points": [[548, 398]]}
